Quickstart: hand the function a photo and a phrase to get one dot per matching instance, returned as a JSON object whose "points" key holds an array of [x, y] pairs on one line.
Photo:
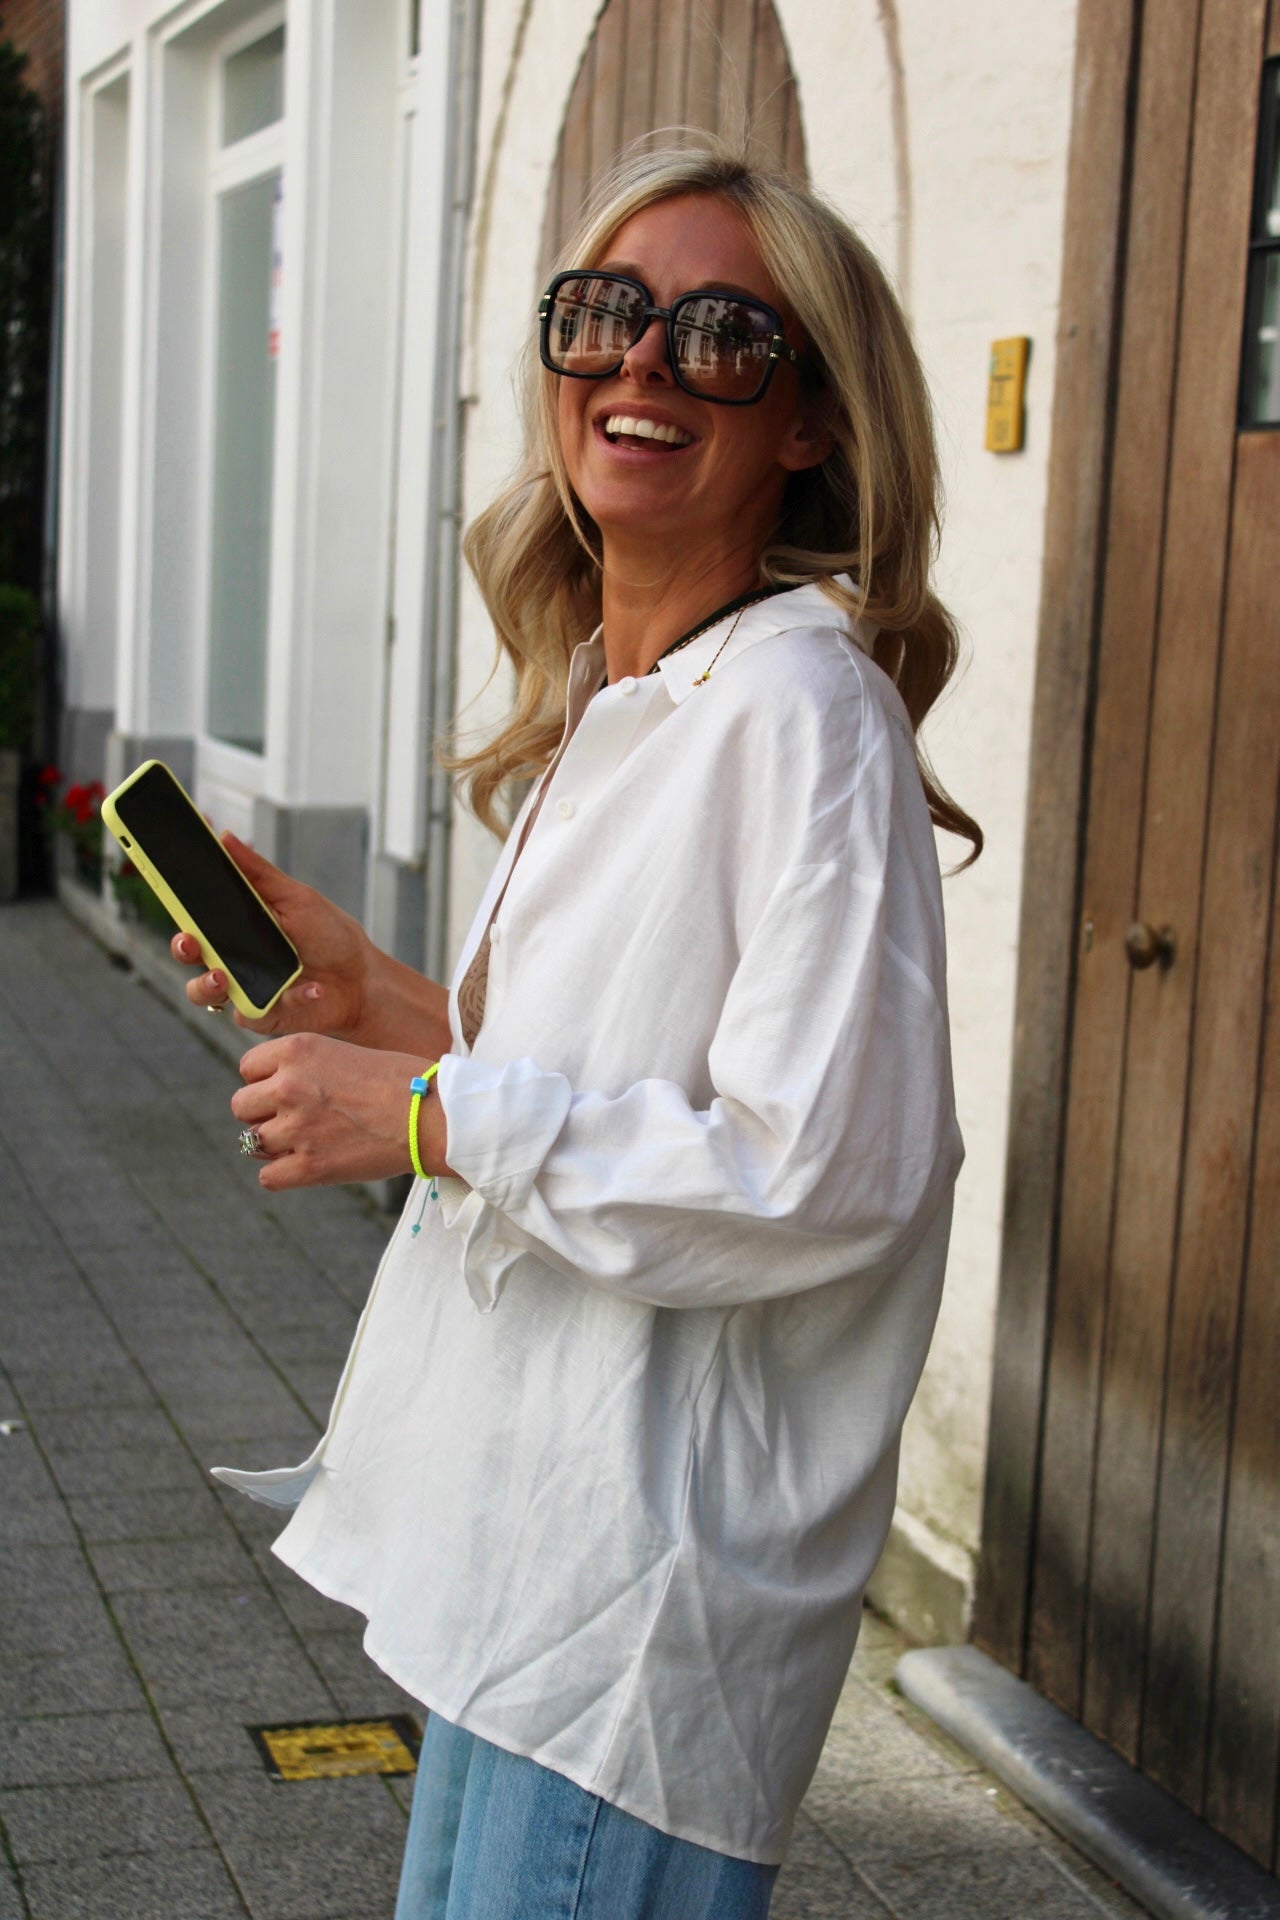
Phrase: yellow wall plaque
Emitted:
{"points": [[335, 1749], [1006, 390]]}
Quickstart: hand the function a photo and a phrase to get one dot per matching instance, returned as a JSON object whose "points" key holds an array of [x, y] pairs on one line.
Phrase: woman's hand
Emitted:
{"points": [[337, 956], [327, 1112]]}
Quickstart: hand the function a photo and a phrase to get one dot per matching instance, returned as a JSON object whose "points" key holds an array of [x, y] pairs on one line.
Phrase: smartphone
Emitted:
{"points": [[187, 867]]}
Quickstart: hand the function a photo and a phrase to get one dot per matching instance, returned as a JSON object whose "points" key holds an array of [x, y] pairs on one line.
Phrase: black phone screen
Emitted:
{"points": [[156, 813]]}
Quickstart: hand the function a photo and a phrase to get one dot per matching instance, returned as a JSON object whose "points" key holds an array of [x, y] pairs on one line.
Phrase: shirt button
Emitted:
{"points": [[566, 809], [628, 685]]}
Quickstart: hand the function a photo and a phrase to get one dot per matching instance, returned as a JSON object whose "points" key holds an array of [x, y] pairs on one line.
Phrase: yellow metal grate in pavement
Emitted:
{"points": [[334, 1749]]}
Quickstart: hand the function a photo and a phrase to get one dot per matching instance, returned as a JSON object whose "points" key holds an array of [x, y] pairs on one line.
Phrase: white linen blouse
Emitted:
{"points": [[615, 1450]]}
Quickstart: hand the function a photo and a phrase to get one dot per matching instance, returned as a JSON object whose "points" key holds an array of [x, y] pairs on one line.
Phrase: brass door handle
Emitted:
{"points": [[1145, 945]]}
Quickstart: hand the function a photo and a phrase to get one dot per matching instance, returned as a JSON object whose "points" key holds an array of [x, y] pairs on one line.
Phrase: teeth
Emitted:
{"points": [[646, 430]]}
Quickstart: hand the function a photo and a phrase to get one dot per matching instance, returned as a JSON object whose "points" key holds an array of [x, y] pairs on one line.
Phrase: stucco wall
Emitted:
{"points": [[942, 132]]}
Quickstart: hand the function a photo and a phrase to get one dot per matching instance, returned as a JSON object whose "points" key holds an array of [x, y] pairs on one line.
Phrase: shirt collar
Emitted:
{"points": [[806, 606]]}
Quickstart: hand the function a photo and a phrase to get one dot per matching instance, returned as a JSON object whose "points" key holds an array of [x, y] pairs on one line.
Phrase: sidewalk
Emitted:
{"points": [[158, 1313]]}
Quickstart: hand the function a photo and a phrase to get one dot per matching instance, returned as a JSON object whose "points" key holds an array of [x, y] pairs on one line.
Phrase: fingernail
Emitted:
{"points": [[216, 980], [311, 991]]}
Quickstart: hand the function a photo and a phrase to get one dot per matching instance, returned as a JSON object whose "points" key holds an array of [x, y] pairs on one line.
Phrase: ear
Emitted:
{"points": [[809, 438]]}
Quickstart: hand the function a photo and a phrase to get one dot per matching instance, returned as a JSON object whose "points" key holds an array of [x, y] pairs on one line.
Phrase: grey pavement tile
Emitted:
{"points": [[310, 1612], [103, 1427], [211, 1737], [878, 1651], [23, 1474], [981, 1883], [882, 1823], [110, 1383], [32, 1573], [315, 1850], [76, 1749], [148, 1886], [96, 1678], [360, 1686], [119, 1816], [219, 1644], [253, 1520], [11, 1904], [160, 1466], [147, 1516], [275, 1418], [35, 1523], [869, 1739], [39, 1619], [817, 1883], [212, 1560]]}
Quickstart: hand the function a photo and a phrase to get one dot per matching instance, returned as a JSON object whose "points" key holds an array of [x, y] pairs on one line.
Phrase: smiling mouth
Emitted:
{"points": [[624, 430]]}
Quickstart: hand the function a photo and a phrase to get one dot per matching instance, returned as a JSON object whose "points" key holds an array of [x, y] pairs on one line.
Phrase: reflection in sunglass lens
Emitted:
{"points": [[593, 322], [722, 345]]}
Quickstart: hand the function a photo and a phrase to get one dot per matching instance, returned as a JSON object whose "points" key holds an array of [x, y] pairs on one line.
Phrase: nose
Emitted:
{"points": [[647, 361]]}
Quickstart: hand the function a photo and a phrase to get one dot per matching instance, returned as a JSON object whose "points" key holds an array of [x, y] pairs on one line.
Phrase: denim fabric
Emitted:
{"points": [[494, 1836]]}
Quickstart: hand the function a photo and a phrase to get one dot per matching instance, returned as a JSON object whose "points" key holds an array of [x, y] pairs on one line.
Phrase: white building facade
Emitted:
{"points": [[304, 241]]}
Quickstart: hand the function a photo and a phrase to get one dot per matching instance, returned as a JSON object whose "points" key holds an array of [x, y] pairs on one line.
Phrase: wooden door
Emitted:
{"points": [[1153, 1579], [651, 65]]}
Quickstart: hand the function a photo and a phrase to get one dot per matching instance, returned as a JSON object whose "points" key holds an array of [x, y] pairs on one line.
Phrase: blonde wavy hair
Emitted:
{"points": [[870, 510]]}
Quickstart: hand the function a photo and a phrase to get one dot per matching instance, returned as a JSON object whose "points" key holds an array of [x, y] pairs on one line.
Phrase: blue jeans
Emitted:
{"points": [[494, 1836]]}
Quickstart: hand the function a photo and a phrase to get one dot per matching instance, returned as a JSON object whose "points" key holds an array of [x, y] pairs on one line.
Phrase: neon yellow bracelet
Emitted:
{"points": [[420, 1084]]}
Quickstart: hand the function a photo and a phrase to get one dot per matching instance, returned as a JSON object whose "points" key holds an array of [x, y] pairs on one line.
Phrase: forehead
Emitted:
{"points": [[691, 240]]}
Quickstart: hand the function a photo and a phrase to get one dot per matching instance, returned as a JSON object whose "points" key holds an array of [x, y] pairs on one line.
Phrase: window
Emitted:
{"points": [[1260, 370], [248, 193]]}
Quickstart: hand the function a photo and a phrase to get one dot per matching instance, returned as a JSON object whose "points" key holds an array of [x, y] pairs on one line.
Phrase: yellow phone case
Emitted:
{"points": [[177, 912]]}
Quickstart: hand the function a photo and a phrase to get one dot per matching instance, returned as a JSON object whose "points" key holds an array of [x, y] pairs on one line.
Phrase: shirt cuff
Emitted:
{"points": [[502, 1122]]}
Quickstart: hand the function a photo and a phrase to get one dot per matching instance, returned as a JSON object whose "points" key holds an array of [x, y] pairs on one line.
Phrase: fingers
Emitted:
{"points": [[254, 1104], [255, 867]]}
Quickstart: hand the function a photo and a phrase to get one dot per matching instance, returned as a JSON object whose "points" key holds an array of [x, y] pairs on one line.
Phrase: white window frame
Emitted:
{"points": [[257, 155]]}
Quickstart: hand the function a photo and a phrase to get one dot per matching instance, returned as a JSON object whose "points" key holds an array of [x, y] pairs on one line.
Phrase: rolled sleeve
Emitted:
{"points": [[501, 1122]]}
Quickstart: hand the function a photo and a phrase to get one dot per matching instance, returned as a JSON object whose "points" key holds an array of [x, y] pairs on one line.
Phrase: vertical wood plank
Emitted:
{"points": [[771, 86], [671, 58], [1273, 30], [1081, 432], [1189, 1509], [608, 81], [737, 35], [702, 77], [567, 192], [1126, 648], [1244, 1747], [795, 158], [1108, 1341], [637, 86]]}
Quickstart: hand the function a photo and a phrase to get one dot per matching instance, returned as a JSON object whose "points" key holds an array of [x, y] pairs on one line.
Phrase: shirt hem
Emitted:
{"points": [[472, 1722]]}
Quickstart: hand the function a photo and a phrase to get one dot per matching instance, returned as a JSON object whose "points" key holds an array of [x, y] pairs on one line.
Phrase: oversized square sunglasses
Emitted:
{"points": [[720, 346]]}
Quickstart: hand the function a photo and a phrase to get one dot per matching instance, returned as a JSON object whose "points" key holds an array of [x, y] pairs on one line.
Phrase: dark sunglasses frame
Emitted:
{"points": [[779, 349]]}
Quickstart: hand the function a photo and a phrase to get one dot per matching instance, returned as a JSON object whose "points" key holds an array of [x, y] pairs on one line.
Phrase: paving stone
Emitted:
{"points": [[360, 1686], [224, 1645], [37, 1523], [211, 1560], [158, 1467], [131, 1816], [96, 1678], [160, 1886], [105, 1428], [23, 1474], [313, 1850], [76, 1749], [11, 1907], [817, 1883], [146, 1516], [211, 1736]]}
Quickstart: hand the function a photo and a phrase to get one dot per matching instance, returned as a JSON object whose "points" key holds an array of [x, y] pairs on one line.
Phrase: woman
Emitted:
{"points": [[615, 1450]]}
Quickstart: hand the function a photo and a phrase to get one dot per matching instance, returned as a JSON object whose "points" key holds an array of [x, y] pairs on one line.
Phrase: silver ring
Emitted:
{"points": [[215, 1009], [251, 1144]]}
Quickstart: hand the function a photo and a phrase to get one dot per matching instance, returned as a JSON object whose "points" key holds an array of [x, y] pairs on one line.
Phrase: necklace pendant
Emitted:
{"points": [[702, 679]]}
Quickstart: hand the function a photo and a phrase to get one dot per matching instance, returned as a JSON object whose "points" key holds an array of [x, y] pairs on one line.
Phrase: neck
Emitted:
{"points": [[648, 603]]}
